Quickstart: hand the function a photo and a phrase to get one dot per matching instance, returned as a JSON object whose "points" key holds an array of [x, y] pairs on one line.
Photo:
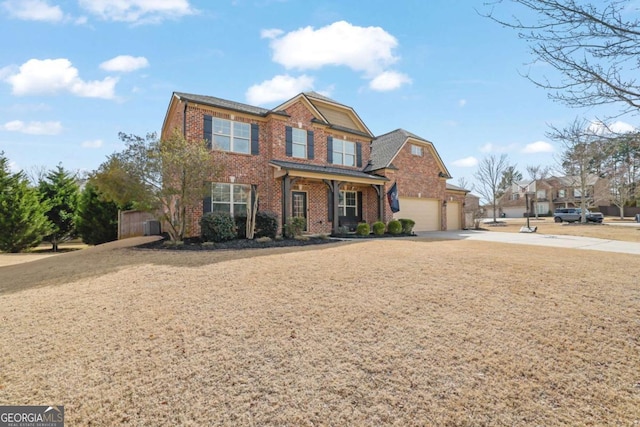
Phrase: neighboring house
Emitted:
{"points": [[471, 209], [545, 195], [313, 157]]}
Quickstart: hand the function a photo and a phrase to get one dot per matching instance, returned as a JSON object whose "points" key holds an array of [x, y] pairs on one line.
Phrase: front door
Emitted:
{"points": [[299, 204]]}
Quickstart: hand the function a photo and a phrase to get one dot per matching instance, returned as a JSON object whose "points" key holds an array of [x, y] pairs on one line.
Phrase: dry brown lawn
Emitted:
{"points": [[628, 233], [394, 332]]}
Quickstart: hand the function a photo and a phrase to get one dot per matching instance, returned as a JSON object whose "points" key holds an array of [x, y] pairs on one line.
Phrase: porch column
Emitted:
{"points": [[380, 191], [334, 186], [286, 195]]}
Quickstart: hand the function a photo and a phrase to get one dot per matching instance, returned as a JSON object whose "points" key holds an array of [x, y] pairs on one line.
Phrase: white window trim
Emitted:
{"points": [[417, 150], [295, 143], [232, 136], [342, 206], [344, 153], [232, 203]]}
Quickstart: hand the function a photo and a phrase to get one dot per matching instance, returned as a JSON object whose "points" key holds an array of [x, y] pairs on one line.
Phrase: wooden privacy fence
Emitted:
{"points": [[131, 223]]}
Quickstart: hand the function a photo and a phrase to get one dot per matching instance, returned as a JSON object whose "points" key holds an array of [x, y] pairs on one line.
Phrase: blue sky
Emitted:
{"points": [[74, 73]]}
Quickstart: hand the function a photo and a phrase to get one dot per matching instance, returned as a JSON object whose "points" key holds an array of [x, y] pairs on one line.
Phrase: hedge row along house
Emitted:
{"points": [[313, 157]]}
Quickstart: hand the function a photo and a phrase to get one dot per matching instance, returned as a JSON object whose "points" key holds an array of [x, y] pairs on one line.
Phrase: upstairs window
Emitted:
{"points": [[231, 136], [562, 194], [416, 150], [299, 143], [344, 152]]}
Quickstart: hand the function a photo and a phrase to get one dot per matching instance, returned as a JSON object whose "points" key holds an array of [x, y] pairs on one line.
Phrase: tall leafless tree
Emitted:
{"points": [[594, 46], [581, 144], [488, 176], [536, 174]]}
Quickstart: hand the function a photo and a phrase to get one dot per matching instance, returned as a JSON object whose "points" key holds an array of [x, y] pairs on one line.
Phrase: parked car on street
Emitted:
{"points": [[575, 214]]}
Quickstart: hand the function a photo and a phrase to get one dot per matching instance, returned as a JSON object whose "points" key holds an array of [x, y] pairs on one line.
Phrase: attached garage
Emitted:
{"points": [[453, 216], [425, 212]]}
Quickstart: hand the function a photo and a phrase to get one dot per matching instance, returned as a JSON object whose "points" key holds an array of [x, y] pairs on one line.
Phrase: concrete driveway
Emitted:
{"points": [[556, 241]]}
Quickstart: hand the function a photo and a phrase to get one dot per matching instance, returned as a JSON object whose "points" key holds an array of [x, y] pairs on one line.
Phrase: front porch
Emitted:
{"points": [[329, 197]]}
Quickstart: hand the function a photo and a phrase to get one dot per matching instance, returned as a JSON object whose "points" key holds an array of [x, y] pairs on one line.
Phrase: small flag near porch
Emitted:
{"points": [[392, 197]]}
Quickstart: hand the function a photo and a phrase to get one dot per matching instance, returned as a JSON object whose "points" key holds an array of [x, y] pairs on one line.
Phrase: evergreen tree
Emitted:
{"points": [[23, 222], [60, 190], [97, 219]]}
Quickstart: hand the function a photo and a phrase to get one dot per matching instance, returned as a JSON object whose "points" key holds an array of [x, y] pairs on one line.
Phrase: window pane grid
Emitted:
{"points": [[344, 152], [299, 143], [230, 198], [348, 203], [231, 136]]}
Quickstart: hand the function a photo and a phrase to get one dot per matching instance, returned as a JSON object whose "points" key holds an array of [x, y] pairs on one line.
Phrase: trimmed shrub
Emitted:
{"points": [[295, 226], [378, 228], [363, 229], [407, 225], [394, 226], [217, 227], [263, 239], [266, 224], [241, 226]]}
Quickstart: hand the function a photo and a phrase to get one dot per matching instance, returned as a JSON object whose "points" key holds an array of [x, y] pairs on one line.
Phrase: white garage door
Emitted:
{"points": [[453, 216], [425, 212]]}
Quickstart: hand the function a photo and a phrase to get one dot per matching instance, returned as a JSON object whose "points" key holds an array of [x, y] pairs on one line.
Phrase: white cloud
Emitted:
{"points": [[279, 88], [271, 33], [486, 148], [33, 10], [51, 76], [367, 49], [492, 148], [388, 80], [33, 128], [462, 102], [125, 63], [138, 11], [467, 162], [538, 147], [601, 128], [96, 143]]}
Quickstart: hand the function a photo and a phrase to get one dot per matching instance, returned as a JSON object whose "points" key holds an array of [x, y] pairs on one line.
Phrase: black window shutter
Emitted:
{"points": [[330, 149], [206, 205], [289, 141], [330, 204], [358, 154], [310, 144], [208, 131], [359, 204], [255, 132]]}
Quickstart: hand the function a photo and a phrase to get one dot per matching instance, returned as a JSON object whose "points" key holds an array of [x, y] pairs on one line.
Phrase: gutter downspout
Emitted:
{"points": [[184, 119]]}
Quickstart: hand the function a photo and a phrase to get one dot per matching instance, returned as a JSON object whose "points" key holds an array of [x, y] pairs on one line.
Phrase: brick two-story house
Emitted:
{"points": [[315, 158]]}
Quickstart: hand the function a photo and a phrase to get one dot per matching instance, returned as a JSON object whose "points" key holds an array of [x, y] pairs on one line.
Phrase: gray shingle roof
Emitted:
{"points": [[456, 188], [385, 147], [223, 103], [325, 169], [313, 94]]}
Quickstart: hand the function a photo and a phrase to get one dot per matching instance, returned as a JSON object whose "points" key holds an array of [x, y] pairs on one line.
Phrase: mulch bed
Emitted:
{"points": [[236, 244], [196, 245]]}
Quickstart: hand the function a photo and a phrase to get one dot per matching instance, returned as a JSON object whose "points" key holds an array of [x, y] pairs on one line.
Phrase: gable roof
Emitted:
{"points": [[386, 147], [331, 113]]}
